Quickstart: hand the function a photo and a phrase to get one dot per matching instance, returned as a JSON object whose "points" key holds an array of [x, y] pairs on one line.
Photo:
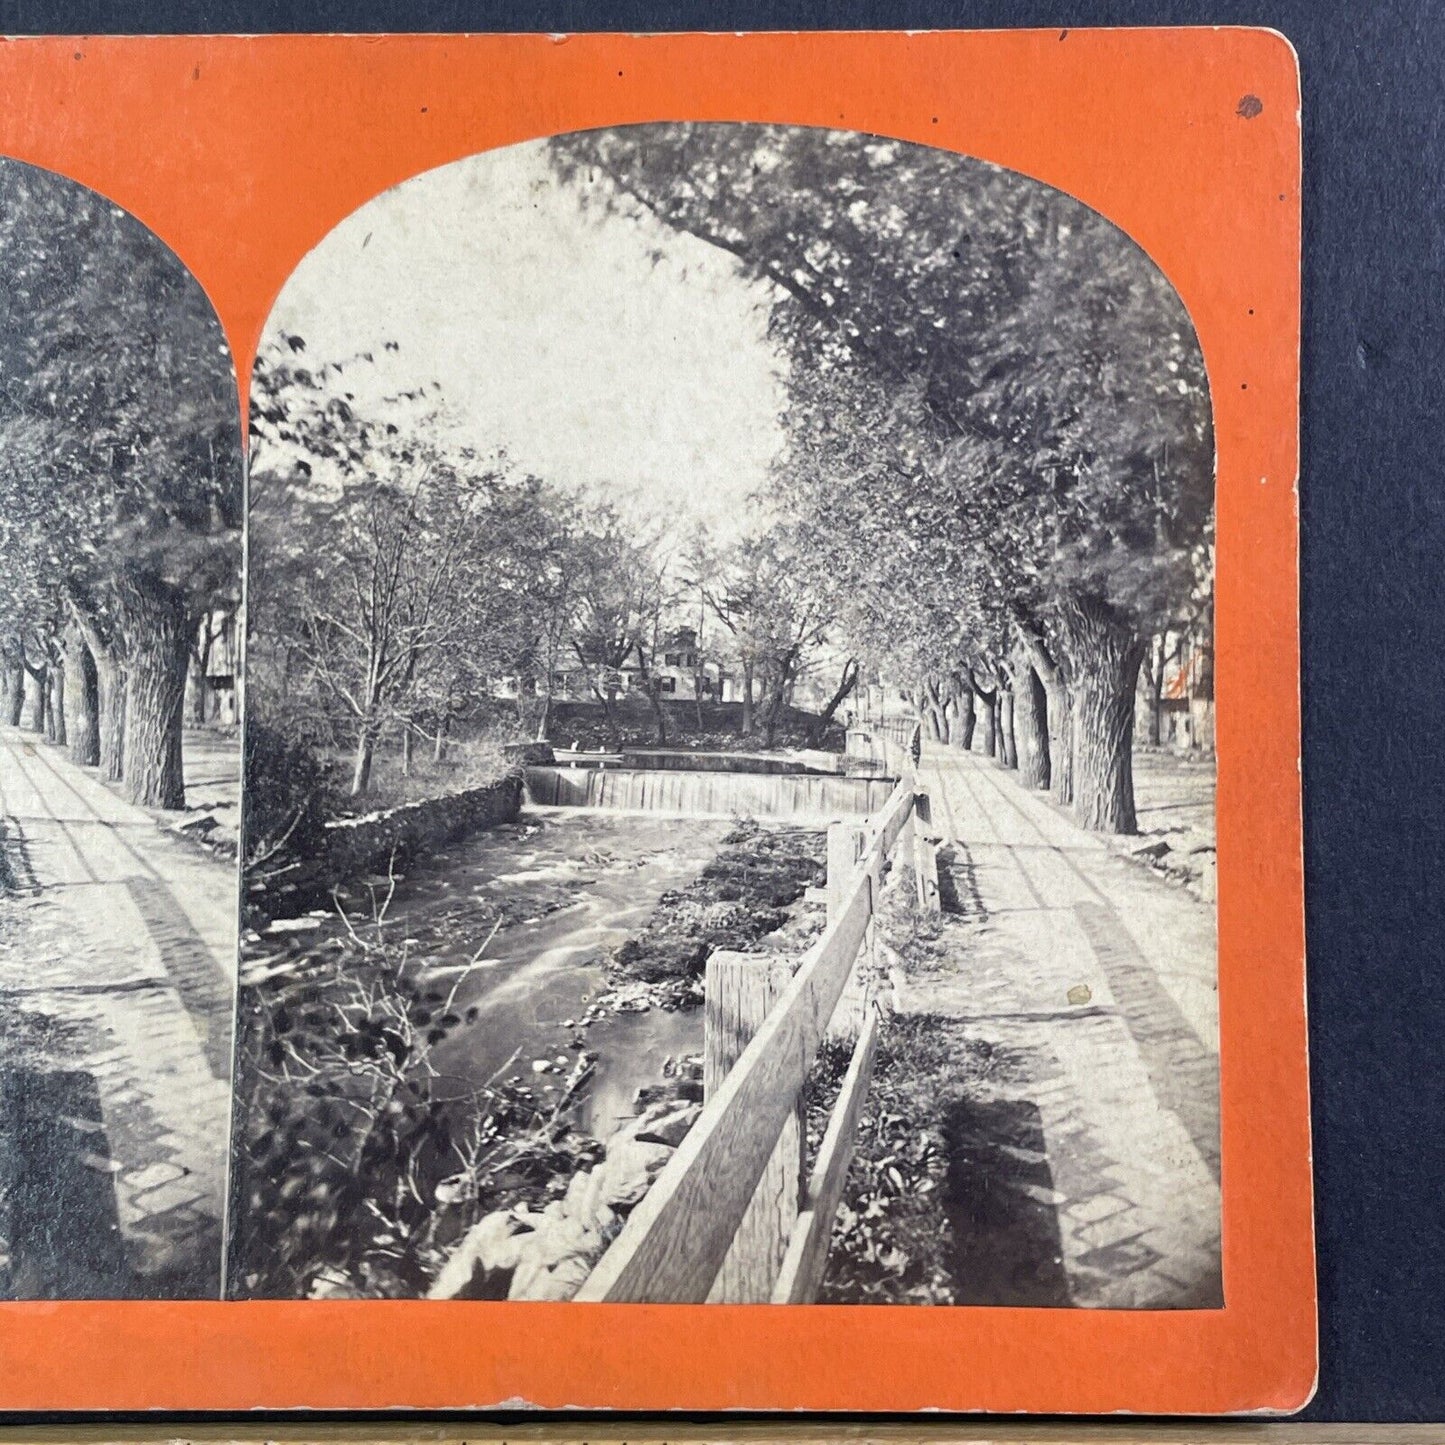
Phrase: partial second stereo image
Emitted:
{"points": [[121, 486]]}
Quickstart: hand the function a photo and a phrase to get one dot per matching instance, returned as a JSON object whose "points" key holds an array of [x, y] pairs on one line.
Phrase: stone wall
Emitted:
{"points": [[361, 845]]}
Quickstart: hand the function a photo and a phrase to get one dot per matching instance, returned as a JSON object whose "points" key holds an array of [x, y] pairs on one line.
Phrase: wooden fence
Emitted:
{"points": [[729, 1219], [893, 743]]}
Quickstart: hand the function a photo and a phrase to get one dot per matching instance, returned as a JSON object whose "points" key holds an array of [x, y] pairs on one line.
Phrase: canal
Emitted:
{"points": [[561, 889]]}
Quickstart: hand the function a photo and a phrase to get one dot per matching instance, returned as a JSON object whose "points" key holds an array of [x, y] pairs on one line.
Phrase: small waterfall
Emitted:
{"points": [[706, 794]]}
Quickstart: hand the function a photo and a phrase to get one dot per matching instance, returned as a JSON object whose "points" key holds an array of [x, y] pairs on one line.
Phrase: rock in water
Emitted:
{"points": [[671, 1128], [629, 1169], [482, 1265], [555, 1258]]}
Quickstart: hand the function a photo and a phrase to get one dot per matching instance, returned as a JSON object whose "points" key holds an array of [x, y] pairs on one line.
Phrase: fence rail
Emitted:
{"points": [[893, 743], [732, 1187]]}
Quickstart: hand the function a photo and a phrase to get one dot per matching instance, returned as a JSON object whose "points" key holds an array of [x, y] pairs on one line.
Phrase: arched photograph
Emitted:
{"points": [[120, 594], [729, 742]]}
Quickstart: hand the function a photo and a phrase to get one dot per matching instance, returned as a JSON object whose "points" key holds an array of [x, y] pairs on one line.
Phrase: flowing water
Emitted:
{"points": [[567, 888], [811, 796]]}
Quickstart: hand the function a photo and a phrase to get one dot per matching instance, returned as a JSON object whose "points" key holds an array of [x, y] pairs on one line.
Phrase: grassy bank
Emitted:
{"points": [[357, 1163], [749, 892], [948, 1197], [915, 1225], [469, 763]]}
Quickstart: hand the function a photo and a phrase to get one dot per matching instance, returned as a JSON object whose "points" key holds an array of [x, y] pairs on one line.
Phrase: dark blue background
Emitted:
{"points": [[1373, 500]]}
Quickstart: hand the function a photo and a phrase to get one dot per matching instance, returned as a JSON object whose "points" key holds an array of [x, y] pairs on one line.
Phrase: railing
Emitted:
{"points": [[729, 1220], [894, 743], [897, 729]]}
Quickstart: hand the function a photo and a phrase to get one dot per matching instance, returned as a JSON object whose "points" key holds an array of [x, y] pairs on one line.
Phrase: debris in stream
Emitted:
{"points": [[523, 1252], [743, 895]]}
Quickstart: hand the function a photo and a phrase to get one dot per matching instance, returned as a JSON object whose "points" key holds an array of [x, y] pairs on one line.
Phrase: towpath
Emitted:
{"points": [[117, 974], [1093, 983]]}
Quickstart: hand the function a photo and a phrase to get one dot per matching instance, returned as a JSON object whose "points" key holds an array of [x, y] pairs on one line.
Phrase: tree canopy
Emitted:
{"points": [[998, 423], [120, 462]]}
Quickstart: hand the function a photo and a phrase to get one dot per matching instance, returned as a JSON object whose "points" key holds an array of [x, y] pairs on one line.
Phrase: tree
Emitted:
{"points": [[775, 606], [618, 585], [1039, 424], [398, 567], [120, 466]]}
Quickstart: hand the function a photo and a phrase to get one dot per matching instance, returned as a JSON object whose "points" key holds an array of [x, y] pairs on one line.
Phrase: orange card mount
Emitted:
{"points": [[1092, 240]]}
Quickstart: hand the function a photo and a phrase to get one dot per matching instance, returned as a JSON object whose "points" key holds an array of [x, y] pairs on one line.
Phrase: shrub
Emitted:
{"points": [[291, 790], [356, 1163]]}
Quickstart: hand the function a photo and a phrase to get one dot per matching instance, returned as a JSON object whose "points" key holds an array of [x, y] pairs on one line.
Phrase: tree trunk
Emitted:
{"points": [[962, 734], [609, 713], [439, 746], [12, 687], [932, 722], [819, 728], [36, 691], [361, 766], [202, 659], [55, 732], [1156, 712], [1058, 713], [45, 700], [986, 705], [1155, 732], [82, 700], [1008, 752], [747, 698], [1030, 723], [112, 688], [773, 712], [989, 741], [659, 715], [1104, 656], [406, 750], [1152, 678], [157, 629]]}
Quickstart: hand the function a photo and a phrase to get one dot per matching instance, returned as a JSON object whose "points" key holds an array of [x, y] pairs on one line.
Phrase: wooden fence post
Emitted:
{"points": [[925, 867], [847, 843], [740, 991], [845, 848]]}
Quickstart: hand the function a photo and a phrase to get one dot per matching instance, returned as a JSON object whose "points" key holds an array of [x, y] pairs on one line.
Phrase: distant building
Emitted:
{"points": [[679, 672], [1186, 701], [677, 668], [212, 687]]}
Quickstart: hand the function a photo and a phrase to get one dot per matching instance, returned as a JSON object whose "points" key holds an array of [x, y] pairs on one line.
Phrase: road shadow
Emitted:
{"points": [[1183, 1072], [1007, 1247], [58, 1215]]}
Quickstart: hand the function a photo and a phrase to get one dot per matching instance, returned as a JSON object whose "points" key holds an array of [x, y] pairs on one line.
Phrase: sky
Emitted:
{"points": [[613, 358]]}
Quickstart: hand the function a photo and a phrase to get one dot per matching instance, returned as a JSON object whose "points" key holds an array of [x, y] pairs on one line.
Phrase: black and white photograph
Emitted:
{"points": [[729, 749], [121, 512]]}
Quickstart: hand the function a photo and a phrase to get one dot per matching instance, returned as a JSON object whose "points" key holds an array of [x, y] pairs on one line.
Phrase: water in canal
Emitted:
{"points": [[567, 888]]}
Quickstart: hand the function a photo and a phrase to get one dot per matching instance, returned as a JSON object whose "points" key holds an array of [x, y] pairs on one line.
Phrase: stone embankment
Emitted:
{"points": [[520, 1253], [359, 845], [376, 843]]}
